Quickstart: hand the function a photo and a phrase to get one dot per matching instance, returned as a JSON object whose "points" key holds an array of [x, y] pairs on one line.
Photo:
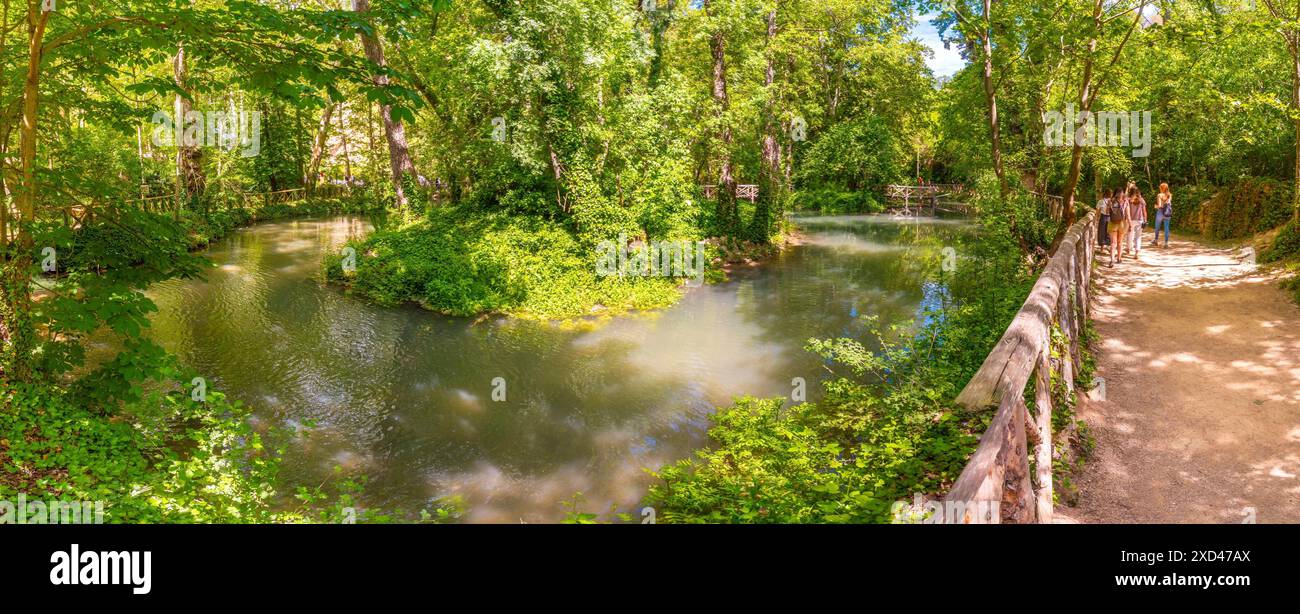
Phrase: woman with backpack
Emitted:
{"points": [[1103, 219], [1118, 224], [1164, 211]]}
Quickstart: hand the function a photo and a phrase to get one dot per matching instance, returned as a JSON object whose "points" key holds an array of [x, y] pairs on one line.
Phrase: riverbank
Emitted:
{"points": [[147, 434]]}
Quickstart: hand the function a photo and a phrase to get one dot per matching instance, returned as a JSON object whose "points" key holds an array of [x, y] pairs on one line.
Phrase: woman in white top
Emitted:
{"points": [[1137, 218]]}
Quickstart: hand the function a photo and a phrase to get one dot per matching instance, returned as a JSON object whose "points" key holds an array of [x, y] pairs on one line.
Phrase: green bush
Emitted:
{"points": [[1243, 209], [165, 459], [1187, 204], [845, 459], [466, 263], [861, 154], [1285, 245]]}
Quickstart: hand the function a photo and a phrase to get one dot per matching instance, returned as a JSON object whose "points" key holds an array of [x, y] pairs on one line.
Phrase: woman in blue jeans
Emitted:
{"points": [[1164, 212]]}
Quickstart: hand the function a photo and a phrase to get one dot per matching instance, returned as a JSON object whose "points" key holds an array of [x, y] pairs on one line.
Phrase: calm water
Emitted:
{"points": [[405, 395]]}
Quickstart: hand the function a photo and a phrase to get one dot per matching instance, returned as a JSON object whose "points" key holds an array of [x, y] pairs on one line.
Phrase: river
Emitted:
{"points": [[405, 396]]}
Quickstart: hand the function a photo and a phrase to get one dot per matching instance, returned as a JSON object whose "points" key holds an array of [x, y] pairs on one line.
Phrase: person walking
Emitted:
{"points": [[1137, 218], [1118, 228], [1164, 212], [1103, 219]]}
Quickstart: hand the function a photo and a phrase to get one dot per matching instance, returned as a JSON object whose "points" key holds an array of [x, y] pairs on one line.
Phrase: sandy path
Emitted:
{"points": [[1201, 358]]}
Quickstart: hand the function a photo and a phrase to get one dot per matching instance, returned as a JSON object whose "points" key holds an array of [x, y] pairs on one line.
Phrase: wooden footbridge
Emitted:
{"points": [[915, 199]]}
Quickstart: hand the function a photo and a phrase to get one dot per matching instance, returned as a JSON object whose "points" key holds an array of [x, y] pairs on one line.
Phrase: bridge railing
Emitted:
{"points": [[746, 191], [1055, 204], [998, 476], [914, 191]]}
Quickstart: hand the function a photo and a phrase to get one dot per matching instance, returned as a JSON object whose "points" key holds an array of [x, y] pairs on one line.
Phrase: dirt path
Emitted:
{"points": [[1201, 358]]}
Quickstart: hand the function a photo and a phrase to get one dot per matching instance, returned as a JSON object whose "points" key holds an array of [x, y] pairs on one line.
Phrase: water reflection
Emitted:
{"points": [[406, 396]]}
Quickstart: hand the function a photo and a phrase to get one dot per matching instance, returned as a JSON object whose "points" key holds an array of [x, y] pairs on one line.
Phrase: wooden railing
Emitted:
{"points": [[745, 190], [998, 476], [278, 197], [922, 195], [908, 192]]}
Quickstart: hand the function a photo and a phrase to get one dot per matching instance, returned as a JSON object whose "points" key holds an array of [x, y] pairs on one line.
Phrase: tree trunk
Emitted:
{"points": [[991, 96], [399, 154], [319, 145], [770, 188], [16, 330], [1085, 115], [1087, 95], [726, 209], [347, 155], [189, 156], [1295, 110]]}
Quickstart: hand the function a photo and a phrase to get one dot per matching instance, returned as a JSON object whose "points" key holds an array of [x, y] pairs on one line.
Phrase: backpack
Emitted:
{"points": [[1168, 210], [1119, 210]]}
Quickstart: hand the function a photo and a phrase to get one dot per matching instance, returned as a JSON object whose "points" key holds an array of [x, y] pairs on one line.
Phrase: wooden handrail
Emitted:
{"points": [[998, 472]]}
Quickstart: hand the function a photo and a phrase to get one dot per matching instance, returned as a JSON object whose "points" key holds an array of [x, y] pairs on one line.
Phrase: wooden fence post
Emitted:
{"points": [[1043, 454]]}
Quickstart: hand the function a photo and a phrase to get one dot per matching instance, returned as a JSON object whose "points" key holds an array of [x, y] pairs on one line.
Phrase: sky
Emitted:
{"points": [[945, 62]]}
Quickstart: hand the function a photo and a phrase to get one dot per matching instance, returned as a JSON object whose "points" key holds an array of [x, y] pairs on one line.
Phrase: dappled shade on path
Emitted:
{"points": [[1200, 352]]}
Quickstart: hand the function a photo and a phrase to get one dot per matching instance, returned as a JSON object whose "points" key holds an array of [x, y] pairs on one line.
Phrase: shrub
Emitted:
{"points": [[1285, 245], [1241, 210], [1187, 202], [466, 263]]}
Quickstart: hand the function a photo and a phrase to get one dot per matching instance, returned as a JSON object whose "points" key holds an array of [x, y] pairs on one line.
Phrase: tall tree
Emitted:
{"points": [[983, 31], [399, 153], [1092, 80], [771, 190], [190, 178], [726, 211]]}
